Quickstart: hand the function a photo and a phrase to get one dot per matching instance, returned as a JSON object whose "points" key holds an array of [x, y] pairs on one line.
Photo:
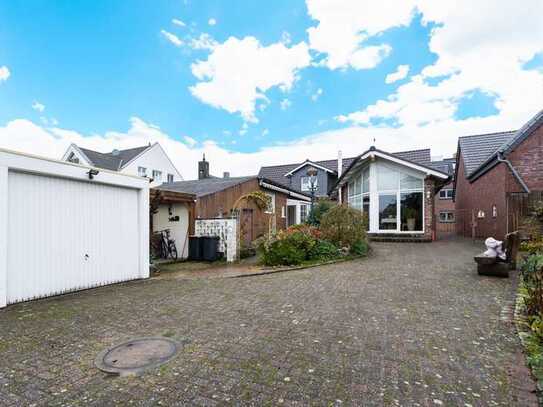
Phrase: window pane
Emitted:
{"points": [[366, 180], [410, 182], [387, 179], [351, 188], [411, 211], [387, 212], [358, 186]]}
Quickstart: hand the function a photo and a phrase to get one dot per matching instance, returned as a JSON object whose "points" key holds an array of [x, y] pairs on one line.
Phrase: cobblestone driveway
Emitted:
{"points": [[412, 325]]}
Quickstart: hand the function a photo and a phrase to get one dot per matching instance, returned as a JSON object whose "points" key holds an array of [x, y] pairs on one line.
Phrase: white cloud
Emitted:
{"points": [[190, 141], [285, 104], [237, 73], [480, 46], [315, 96], [265, 132], [4, 73], [204, 41], [38, 107], [178, 22], [212, 21], [343, 27], [174, 39], [401, 73], [244, 129], [24, 135]]}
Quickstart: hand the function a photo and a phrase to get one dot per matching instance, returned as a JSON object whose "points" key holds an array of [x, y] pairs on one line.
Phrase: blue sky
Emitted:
{"points": [[88, 67]]}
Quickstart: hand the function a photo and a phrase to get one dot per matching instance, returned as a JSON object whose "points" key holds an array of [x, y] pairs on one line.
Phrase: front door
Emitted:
{"points": [[247, 226]]}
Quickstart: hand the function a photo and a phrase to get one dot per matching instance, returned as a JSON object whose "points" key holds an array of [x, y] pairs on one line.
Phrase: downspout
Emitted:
{"points": [[501, 159]]}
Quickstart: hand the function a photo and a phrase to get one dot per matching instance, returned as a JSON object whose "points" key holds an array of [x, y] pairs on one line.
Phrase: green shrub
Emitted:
{"points": [[532, 246], [287, 248], [343, 226], [360, 248], [324, 250], [318, 211]]}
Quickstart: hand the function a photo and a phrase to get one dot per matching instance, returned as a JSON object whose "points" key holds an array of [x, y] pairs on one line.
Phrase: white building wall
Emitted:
{"points": [[179, 229], [153, 159], [67, 232]]}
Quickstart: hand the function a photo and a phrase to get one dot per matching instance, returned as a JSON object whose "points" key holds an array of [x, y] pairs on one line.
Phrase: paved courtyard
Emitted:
{"points": [[412, 325]]}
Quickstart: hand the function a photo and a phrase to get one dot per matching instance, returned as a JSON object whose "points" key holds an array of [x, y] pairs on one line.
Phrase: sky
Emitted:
{"points": [[252, 83]]}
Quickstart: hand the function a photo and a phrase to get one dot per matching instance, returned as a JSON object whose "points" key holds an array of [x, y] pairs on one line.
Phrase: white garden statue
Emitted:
{"points": [[494, 248]]}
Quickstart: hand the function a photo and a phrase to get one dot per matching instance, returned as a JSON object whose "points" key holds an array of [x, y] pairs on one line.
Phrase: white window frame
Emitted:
{"points": [[305, 183], [170, 178], [304, 216], [374, 194], [446, 220], [157, 175], [449, 192], [142, 171]]}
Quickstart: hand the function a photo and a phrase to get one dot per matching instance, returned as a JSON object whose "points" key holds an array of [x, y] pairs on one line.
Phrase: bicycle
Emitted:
{"points": [[165, 245]]}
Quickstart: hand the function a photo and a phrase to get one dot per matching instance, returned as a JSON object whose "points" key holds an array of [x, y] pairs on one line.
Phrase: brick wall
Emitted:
{"points": [[429, 208], [528, 161], [444, 228], [481, 195]]}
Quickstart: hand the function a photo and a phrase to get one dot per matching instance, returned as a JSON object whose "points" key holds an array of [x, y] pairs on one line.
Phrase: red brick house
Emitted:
{"points": [[490, 170]]}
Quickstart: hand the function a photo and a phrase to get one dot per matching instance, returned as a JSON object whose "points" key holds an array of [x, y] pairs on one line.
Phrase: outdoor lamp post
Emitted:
{"points": [[312, 174]]}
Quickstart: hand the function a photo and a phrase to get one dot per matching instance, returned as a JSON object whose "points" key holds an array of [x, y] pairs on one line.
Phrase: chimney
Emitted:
{"points": [[226, 174], [203, 168]]}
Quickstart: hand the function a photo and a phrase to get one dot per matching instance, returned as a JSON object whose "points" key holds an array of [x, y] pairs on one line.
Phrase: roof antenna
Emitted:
{"points": [[204, 157]]}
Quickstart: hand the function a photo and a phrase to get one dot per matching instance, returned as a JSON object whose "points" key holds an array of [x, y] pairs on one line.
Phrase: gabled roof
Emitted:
{"points": [[372, 152], [311, 163], [476, 149], [482, 152], [114, 160], [277, 172]]}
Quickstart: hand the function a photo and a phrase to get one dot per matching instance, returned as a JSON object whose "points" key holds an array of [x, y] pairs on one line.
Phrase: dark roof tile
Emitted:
{"points": [[476, 149], [206, 186], [114, 160]]}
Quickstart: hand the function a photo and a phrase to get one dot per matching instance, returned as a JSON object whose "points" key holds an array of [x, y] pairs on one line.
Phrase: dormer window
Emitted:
{"points": [[306, 183], [73, 158]]}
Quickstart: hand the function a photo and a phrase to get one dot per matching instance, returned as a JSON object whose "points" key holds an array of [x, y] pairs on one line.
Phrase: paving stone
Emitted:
{"points": [[412, 325]]}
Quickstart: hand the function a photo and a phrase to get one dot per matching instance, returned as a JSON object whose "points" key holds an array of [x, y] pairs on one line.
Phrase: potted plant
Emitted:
{"points": [[411, 216]]}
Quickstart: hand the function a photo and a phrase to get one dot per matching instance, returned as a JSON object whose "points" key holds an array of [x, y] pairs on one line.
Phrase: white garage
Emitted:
{"points": [[66, 227]]}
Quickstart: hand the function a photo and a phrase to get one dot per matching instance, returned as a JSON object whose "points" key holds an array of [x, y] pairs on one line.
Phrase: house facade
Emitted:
{"points": [[216, 198], [493, 169], [397, 194], [150, 161], [445, 212]]}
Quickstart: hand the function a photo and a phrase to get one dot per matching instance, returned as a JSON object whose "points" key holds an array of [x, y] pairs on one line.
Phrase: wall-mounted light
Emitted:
{"points": [[92, 173]]}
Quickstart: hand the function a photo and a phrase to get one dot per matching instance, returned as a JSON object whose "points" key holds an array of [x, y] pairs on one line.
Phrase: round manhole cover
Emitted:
{"points": [[136, 356]]}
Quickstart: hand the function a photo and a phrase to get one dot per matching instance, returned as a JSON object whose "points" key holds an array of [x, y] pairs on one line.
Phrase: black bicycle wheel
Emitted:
{"points": [[173, 251]]}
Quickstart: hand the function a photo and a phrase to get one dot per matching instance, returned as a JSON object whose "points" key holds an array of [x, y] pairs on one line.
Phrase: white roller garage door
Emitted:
{"points": [[65, 234]]}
